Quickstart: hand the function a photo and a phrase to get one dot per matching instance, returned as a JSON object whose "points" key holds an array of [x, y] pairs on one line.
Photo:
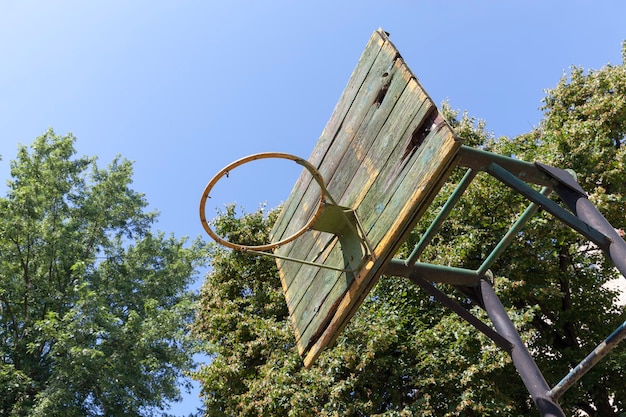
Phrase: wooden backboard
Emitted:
{"points": [[385, 153]]}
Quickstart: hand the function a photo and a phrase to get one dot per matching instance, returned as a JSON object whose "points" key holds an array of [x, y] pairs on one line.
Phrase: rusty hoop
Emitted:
{"points": [[264, 155]]}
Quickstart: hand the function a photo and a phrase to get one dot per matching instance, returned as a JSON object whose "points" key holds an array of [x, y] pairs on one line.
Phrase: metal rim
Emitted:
{"points": [[264, 155]]}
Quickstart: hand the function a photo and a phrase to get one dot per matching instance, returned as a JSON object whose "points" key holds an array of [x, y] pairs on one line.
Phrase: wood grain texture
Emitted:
{"points": [[385, 152]]}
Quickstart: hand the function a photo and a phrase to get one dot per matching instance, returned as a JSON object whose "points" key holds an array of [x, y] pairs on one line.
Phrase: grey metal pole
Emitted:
{"points": [[589, 213], [586, 364], [575, 222], [530, 374], [510, 235]]}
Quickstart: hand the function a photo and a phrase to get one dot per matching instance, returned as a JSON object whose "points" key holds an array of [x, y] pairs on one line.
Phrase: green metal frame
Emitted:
{"points": [[515, 174], [582, 216]]}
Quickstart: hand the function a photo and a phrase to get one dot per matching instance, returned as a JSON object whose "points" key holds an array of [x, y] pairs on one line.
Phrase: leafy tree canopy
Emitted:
{"points": [[93, 304], [404, 354]]}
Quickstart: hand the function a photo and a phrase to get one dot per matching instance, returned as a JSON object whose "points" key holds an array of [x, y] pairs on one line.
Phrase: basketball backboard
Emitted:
{"points": [[385, 153]]}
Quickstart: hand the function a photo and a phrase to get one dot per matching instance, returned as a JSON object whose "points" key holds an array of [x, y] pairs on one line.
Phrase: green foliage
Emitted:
{"points": [[403, 354], [93, 305]]}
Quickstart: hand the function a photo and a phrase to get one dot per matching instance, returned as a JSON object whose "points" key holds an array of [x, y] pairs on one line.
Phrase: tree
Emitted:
{"points": [[93, 304], [403, 353]]}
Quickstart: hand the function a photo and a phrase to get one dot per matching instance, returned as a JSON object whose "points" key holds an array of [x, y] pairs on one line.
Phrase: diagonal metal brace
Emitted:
{"points": [[590, 360], [526, 367], [575, 198], [550, 206], [499, 340]]}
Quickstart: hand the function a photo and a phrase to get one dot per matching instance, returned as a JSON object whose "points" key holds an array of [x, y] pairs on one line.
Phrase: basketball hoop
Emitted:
{"points": [[264, 155]]}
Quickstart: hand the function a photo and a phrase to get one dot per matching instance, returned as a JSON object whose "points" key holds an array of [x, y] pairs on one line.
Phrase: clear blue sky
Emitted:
{"points": [[185, 87]]}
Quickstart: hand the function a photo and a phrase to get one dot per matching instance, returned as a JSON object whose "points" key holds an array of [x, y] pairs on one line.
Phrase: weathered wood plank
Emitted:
{"points": [[353, 161], [376, 160], [353, 297], [354, 164], [346, 99], [373, 82], [377, 210], [378, 155], [302, 204]]}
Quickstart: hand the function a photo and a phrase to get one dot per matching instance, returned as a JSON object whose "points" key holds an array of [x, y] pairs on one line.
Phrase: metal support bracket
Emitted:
{"points": [[344, 223], [582, 216], [499, 340]]}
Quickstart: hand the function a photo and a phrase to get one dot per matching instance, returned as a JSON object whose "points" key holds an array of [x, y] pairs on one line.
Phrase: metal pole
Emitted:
{"points": [[586, 364], [510, 235], [479, 160], [462, 312], [441, 216], [436, 273], [575, 222], [589, 213], [530, 374]]}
